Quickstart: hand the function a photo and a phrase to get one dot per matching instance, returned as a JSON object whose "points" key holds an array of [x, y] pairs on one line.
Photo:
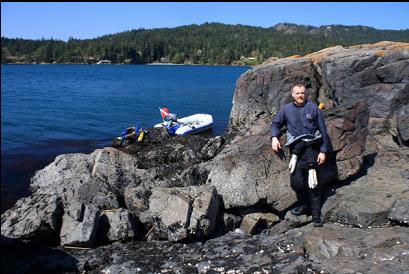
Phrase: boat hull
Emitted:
{"points": [[191, 124]]}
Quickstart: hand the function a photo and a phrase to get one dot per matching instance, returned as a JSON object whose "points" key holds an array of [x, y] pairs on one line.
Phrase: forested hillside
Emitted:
{"points": [[209, 43]]}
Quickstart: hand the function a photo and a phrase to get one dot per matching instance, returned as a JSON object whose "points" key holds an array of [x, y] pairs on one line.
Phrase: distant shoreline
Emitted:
{"points": [[147, 64]]}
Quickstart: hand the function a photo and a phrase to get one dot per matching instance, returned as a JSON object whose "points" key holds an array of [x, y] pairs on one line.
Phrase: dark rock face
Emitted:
{"points": [[260, 92], [339, 77], [185, 190], [403, 127], [347, 128]]}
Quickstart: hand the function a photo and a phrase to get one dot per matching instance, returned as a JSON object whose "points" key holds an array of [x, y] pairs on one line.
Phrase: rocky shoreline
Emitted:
{"points": [[221, 205]]}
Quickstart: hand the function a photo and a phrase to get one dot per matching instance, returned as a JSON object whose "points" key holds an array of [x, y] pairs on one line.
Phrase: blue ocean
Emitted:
{"points": [[47, 110]]}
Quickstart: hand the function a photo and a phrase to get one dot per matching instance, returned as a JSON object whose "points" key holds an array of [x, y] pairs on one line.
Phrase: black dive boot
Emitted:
{"points": [[303, 208], [315, 203], [316, 220]]}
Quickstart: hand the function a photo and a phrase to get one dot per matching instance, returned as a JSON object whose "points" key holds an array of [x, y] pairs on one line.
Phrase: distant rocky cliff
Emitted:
{"points": [[123, 203]]}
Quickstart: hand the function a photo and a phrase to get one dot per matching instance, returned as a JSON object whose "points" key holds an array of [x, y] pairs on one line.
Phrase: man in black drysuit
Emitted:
{"points": [[308, 141]]}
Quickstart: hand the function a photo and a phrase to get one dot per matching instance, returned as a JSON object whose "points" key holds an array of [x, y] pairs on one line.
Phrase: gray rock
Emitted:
{"points": [[369, 200], [146, 218], [137, 199], [77, 167], [252, 222], [128, 267], [389, 263], [382, 136], [377, 73], [205, 209], [400, 212], [184, 212], [290, 221], [170, 207], [403, 126], [36, 219], [95, 178], [375, 246], [195, 175], [230, 222], [395, 72], [247, 172], [79, 225], [264, 89], [297, 220], [119, 223], [212, 147]]}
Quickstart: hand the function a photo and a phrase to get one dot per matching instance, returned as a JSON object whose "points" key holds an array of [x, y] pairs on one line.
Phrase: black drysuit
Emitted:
{"points": [[307, 153], [304, 120]]}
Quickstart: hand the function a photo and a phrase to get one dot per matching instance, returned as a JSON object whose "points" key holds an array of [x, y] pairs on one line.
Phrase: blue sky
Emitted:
{"points": [[90, 20]]}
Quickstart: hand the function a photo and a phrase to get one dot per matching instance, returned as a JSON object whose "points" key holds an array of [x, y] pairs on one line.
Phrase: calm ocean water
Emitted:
{"points": [[47, 110]]}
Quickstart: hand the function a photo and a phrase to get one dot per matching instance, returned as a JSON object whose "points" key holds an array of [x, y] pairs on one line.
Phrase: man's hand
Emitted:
{"points": [[293, 162], [275, 144], [312, 178], [321, 158]]}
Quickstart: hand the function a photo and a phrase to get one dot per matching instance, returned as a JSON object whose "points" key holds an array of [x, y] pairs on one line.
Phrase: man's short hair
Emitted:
{"points": [[299, 84]]}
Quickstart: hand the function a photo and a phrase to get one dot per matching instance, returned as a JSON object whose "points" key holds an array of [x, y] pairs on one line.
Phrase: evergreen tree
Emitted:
{"points": [[209, 43]]}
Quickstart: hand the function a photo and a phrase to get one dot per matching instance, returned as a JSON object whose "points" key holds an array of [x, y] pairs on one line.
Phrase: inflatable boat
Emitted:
{"points": [[188, 125]]}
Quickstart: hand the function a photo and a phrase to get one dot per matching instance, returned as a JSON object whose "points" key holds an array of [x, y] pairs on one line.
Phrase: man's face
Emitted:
{"points": [[298, 95]]}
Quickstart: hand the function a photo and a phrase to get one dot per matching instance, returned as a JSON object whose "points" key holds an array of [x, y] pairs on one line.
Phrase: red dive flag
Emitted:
{"points": [[164, 112]]}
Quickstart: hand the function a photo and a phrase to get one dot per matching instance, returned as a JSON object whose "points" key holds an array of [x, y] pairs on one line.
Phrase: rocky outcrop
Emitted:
{"points": [[247, 172], [372, 200], [192, 188], [338, 77]]}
